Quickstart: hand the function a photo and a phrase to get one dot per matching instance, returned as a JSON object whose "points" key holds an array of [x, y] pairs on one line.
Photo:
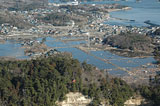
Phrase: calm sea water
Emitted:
{"points": [[140, 12]]}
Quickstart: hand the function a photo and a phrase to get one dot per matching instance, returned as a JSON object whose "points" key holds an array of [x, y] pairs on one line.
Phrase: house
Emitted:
{"points": [[157, 32]]}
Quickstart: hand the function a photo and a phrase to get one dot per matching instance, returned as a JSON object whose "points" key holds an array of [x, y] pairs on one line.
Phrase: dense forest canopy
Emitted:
{"points": [[45, 80]]}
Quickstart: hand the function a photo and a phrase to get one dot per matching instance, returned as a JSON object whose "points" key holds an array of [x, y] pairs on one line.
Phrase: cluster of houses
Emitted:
{"points": [[30, 42], [29, 16], [157, 32], [93, 26], [6, 28]]}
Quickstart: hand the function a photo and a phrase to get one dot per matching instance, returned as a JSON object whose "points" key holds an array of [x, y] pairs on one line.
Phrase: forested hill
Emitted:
{"points": [[24, 1], [22, 4], [45, 80]]}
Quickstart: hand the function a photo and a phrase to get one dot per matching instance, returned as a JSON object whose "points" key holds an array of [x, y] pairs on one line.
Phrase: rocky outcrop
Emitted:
{"points": [[75, 99], [137, 101]]}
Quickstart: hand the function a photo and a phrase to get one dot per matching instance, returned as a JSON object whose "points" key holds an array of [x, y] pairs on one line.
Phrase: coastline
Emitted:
{"points": [[125, 8], [113, 10]]}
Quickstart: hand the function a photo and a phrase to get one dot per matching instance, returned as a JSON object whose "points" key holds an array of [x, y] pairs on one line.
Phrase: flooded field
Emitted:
{"points": [[100, 59], [12, 48]]}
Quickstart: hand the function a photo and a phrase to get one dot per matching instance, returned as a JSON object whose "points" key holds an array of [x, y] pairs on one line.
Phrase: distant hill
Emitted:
{"points": [[14, 20], [22, 3], [84, 0], [131, 41]]}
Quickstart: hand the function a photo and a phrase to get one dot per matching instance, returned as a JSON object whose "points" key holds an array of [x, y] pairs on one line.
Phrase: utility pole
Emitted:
{"points": [[88, 39], [45, 2], [17, 3], [25, 1]]}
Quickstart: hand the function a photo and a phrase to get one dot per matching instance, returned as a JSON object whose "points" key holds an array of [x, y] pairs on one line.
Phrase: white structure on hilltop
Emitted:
{"points": [[75, 2]]}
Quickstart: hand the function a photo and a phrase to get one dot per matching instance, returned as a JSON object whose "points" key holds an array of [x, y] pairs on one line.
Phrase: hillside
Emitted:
{"points": [[22, 4], [62, 19], [13, 19], [131, 41], [47, 80]]}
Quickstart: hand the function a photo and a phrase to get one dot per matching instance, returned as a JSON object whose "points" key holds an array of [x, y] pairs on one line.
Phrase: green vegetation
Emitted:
{"points": [[132, 41], [43, 81], [152, 92], [62, 19], [157, 54], [57, 19]]}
